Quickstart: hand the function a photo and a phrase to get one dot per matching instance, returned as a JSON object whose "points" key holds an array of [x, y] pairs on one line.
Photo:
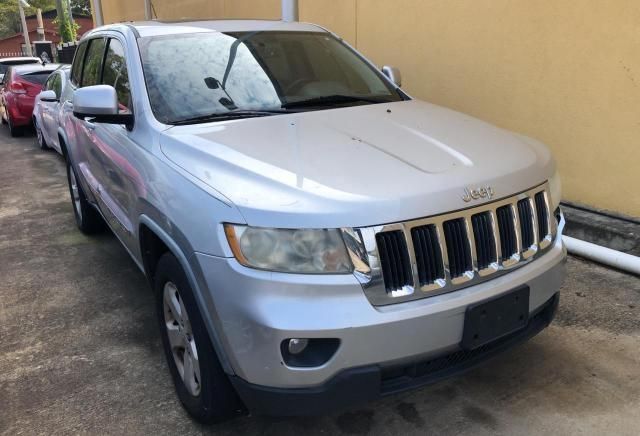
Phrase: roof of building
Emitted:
{"points": [[157, 28], [31, 31]]}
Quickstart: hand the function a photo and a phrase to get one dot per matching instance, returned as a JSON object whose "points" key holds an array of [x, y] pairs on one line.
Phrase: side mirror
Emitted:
{"points": [[393, 74], [48, 96], [99, 102]]}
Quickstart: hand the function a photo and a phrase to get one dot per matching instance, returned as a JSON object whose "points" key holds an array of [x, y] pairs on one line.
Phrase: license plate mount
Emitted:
{"points": [[490, 320]]}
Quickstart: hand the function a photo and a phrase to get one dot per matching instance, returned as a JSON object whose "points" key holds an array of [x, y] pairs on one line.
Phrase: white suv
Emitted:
{"points": [[314, 236]]}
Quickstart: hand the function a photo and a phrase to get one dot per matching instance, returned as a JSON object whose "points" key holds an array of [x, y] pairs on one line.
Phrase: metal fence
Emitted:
{"points": [[63, 53], [66, 52], [11, 54]]}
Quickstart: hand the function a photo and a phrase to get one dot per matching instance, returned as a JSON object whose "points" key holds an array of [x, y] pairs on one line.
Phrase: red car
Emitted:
{"points": [[18, 90]]}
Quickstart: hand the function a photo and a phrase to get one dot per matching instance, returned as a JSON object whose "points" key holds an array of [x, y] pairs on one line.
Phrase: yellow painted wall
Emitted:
{"points": [[566, 72], [186, 8], [339, 16], [122, 10], [269, 9]]}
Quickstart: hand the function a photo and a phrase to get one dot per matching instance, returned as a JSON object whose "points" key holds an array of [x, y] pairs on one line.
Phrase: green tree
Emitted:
{"points": [[81, 7], [68, 29], [10, 17]]}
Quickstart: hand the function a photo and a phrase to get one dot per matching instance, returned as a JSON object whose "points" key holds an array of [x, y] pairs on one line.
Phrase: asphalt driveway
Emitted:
{"points": [[79, 350]]}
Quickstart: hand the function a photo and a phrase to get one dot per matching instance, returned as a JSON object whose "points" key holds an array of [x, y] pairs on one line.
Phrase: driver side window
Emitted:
{"points": [[78, 59], [91, 72], [115, 74]]}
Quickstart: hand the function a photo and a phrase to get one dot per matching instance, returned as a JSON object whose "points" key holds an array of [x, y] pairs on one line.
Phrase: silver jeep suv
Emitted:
{"points": [[315, 237]]}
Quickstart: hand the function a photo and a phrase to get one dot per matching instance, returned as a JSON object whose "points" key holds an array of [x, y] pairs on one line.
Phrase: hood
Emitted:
{"points": [[356, 166]]}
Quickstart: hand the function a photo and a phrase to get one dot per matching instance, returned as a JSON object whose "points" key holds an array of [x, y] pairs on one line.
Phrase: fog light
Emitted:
{"points": [[297, 346], [308, 353]]}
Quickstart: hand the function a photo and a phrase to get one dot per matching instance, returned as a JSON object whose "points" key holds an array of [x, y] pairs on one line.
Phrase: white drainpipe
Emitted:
{"points": [[607, 256], [290, 10]]}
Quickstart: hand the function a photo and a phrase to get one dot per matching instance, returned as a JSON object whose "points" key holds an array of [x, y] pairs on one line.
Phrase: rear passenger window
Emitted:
{"points": [[76, 69], [93, 62], [115, 74]]}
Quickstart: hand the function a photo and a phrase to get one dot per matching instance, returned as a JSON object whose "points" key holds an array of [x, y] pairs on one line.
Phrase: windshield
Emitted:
{"points": [[198, 75]]}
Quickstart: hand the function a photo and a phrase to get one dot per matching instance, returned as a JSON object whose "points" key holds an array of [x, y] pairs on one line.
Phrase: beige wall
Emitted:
{"points": [[123, 10], [566, 72]]}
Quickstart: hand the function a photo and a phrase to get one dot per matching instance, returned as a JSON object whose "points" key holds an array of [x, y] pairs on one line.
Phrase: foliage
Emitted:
{"points": [[68, 30], [81, 7], [10, 17]]}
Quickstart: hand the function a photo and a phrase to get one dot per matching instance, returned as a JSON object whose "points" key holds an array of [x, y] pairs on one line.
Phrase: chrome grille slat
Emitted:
{"points": [[446, 252], [526, 222], [459, 252], [428, 254], [484, 240], [496, 234], [542, 214], [394, 258], [507, 229]]}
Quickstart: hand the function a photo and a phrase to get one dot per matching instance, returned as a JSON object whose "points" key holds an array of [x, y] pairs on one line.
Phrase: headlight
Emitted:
{"points": [[555, 190], [303, 251]]}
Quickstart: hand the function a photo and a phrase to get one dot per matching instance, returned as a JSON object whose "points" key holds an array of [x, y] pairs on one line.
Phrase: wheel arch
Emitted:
{"points": [[149, 232], [62, 140]]}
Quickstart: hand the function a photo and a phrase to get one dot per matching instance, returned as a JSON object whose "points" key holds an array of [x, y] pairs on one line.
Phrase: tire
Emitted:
{"points": [[88, 219], [14, 130], [209, 398], [42, 143]]}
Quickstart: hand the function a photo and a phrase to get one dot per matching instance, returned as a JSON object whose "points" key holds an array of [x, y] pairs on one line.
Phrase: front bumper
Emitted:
{"points": [[255, 311], [356, 386]]}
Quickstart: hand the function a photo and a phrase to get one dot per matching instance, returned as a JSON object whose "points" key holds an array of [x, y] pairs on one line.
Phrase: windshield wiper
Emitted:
{"points": [[220, 116], [330, 100]]}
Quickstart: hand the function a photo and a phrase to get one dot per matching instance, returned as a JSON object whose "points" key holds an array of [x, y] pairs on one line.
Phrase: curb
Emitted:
{"points": [[617, 233]]}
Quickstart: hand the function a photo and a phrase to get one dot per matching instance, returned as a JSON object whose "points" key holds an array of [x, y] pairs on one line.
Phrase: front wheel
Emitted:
{"points": [[87, 217], [201, 384]]}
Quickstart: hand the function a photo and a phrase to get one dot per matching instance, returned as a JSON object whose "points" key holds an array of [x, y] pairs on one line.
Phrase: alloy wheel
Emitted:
{"points": [[39, 137], [181, 340]]}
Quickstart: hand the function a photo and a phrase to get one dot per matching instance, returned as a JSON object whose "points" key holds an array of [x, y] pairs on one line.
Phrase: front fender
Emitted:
{"points": [[62, 137], [202, 297]]}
